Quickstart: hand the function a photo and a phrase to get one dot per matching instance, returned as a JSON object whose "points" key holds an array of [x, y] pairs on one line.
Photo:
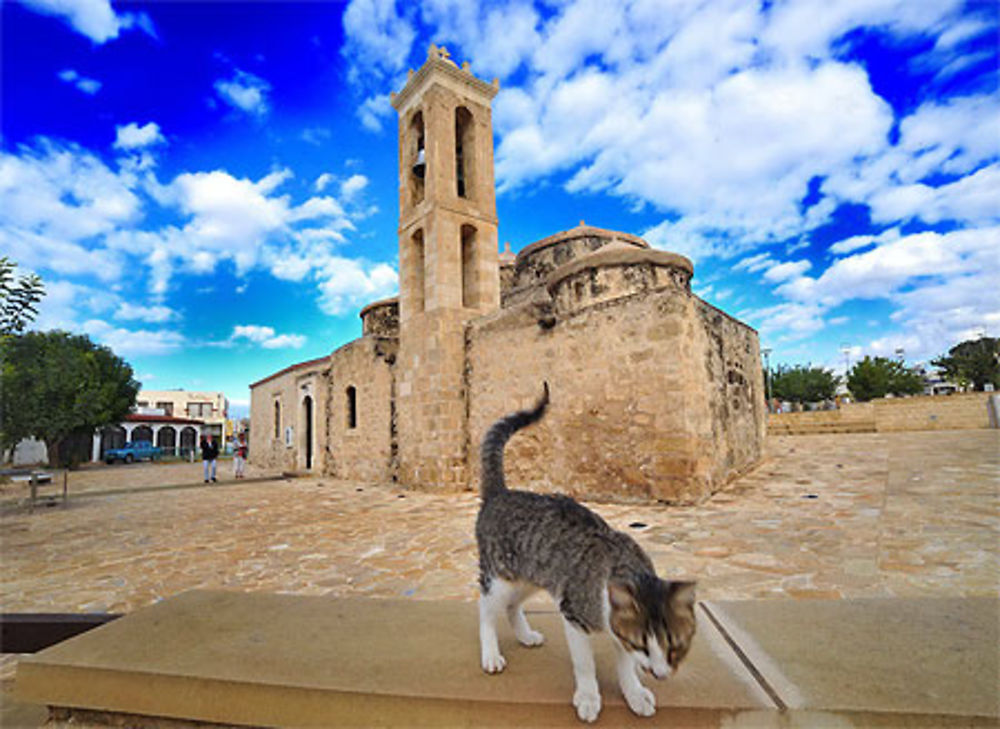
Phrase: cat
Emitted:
{"points": [[600, 579]]}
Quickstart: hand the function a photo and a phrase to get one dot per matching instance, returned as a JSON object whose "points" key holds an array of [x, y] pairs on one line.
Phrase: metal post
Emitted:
{"points": [[767, 370]]}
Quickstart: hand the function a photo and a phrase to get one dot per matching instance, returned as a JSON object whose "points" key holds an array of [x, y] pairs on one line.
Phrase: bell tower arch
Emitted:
{"points": [[447, 258]]}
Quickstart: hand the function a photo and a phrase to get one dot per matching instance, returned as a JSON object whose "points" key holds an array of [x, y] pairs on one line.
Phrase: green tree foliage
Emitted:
{"points": [[803, 384], [974, 360], [879, 376], [18, 298], [56, 385]]}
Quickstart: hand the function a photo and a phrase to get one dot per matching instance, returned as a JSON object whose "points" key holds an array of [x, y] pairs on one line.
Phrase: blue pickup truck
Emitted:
{"points": [[134, 451]]}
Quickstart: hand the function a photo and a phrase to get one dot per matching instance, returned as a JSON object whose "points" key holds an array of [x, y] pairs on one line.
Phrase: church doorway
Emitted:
{"points": [[307, 404]]}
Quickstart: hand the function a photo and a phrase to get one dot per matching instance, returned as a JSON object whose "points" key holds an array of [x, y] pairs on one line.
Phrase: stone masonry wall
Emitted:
{"points": [[430, 401], [637, 412], [960, 411], [365, 452], [269, 450]]}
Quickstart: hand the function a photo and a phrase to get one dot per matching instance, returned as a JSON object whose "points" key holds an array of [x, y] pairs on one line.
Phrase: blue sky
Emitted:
{"points": [[210, 188]]}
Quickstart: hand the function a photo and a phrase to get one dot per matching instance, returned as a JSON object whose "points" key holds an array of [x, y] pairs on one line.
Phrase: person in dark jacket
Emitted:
{"points": [[209, 452]]}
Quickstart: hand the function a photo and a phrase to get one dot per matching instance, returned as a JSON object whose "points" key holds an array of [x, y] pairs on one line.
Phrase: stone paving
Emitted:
{"points": [[829, 516], [866, 515]]}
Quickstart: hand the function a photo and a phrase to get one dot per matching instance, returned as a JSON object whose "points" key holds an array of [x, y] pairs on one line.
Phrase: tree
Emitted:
{"points": [[803, 384], [18, 298], [877, 377], [56, 385], [974, 360]]}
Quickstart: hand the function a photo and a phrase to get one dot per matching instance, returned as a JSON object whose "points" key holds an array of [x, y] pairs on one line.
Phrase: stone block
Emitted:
{"points": [[281, 660]]}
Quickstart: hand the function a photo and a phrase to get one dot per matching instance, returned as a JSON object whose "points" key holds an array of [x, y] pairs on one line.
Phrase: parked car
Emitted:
{"points": [[135, 451]]}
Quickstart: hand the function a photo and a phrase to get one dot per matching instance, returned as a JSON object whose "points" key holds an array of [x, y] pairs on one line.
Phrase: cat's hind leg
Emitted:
{"points": [[496, 595], [515, 614]]}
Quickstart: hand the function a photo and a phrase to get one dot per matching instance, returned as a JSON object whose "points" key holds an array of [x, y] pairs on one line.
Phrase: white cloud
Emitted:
{"points": [[245, 92], [317, 136], [95, 19], [935, 282], [133, 342], [86, 85], [857, 242], [377, 38], [55, 200], [755, 263], [503, 34], [131, 136], [353, 185], [784, 271], [266, 337], [374, 110], [156, 314], [323, 181], [347, 283]]}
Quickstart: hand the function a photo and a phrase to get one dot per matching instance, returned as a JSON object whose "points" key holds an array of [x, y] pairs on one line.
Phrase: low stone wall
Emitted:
{"points": [[963, 411]]}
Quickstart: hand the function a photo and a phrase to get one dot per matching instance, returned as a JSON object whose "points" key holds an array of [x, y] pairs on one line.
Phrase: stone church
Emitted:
{"points": [[656, 394]]}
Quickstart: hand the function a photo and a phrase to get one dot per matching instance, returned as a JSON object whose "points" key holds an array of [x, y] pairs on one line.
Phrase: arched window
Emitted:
{"points": [[417, 159], [470, 278], [417, 269], [277, 419], [463, 152], [352, 407]]}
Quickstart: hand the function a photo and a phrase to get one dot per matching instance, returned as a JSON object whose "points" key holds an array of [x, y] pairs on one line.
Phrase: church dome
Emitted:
{"points": [[615, 270]]}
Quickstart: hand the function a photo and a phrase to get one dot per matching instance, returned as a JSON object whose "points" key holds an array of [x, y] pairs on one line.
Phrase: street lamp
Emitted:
{"points": [[845, 349]]}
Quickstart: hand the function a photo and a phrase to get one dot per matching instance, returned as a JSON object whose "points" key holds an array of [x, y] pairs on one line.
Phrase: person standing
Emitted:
{"points": [[240, 455], [209, 453]]}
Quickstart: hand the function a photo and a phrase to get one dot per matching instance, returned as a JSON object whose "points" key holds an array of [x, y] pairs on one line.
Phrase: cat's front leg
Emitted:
{"points": [[587, 697], [639, 698]]}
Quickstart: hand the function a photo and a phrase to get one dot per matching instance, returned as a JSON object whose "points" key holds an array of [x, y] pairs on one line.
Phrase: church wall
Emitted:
{"points": [[364, 452], [630, 379], [284, 450]]}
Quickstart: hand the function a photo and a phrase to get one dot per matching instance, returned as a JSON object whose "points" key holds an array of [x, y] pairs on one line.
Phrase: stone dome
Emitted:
{"points": [[615, 270]]}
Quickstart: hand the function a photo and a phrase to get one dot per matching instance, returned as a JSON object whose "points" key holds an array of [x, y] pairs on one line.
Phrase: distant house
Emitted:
{"points": [[210, 408], [176, 436], [174, 420]]}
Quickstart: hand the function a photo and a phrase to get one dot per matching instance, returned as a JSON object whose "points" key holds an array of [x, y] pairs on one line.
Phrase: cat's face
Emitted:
{"points": [[654, 621]]}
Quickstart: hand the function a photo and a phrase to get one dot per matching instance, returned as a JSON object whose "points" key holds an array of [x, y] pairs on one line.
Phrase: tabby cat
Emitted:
{"points": [[600, 578]]}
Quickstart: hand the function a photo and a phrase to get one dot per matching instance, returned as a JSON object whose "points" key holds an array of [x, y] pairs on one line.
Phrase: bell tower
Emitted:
{"points": [[447, 259]]}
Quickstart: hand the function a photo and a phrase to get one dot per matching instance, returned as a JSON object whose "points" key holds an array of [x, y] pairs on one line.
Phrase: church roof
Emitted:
{"points": [[299, 366]]}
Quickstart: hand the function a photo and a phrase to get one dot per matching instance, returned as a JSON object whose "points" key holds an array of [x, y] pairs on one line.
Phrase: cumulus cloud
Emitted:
{"points": [[86, 85], [378, 38], [156, 314], [933, 281], [54, 201], [133, 342], [132, 137], [266, 337], [95, 19], [245, 92], [347, 283], [353, 185], [784, 271]]}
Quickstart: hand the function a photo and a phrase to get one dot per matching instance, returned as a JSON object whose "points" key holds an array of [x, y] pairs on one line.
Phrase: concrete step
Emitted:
{"points": [[277, 660]]}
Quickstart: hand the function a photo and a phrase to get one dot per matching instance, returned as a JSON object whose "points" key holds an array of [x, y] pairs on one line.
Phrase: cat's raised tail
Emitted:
{"points": [[492, 481]]}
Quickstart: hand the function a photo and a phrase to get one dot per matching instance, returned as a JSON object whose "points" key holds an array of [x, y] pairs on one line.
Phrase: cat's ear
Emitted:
{"points": [[622, 597], [682, 594]]}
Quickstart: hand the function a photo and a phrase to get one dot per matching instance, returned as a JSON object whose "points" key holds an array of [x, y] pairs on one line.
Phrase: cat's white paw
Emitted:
{"points": [[493, 661], [587, 703], [641, 701], [531, 638]]}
